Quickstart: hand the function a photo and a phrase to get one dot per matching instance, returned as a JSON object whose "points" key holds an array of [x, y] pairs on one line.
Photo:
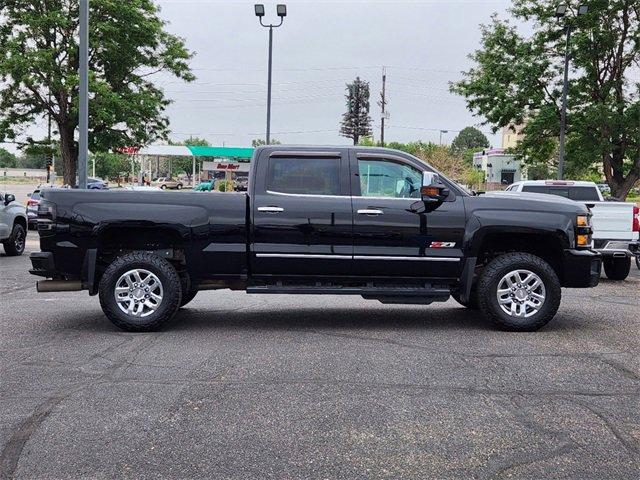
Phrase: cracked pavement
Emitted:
{"points": [[243, 387]]}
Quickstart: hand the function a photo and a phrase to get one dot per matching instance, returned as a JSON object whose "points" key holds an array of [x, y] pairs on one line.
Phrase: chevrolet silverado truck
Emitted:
{"points": [[615, 224], [13, 225], [372, 222]]}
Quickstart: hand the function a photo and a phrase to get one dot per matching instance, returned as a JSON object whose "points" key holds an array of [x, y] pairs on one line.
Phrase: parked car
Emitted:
{"points": [[206, 186], [97, 184], [373, 222], [32, 208], [13, 225], [138, 188], [616, 225], [165, 183], [241, 184]]}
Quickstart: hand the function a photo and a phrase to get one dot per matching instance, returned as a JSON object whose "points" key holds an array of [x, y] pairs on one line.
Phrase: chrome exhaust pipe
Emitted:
{"points": [[45, 286]]}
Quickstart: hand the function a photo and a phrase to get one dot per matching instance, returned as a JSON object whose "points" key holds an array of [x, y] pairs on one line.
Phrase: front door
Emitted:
{"points": [[390, 238], [302, 222]]}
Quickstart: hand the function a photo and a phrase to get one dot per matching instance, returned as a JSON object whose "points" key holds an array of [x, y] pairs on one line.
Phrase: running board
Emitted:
{"points": [[384, 294]]}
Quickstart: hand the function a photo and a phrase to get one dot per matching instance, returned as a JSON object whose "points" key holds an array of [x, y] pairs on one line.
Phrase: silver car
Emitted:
{"points": [[13, 225]]}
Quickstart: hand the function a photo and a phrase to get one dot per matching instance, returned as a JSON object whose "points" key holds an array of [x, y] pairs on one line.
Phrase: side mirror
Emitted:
{"points": [[433, 192], [8, 198]]}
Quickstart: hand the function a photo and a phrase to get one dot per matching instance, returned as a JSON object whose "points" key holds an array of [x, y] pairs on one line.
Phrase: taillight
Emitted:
{"points": [[636, 219], [46, 211], [31, 203]]}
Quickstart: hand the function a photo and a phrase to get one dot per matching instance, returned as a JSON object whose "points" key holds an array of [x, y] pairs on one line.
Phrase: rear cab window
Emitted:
{"points": [[304, 175]]}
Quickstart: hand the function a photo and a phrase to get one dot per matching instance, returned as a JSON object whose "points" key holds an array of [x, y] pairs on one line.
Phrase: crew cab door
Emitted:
{"points": [[301, 213], [390, 238]]}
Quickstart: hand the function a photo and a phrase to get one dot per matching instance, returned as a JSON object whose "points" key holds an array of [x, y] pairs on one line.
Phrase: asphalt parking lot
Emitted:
{"points": [[283, 387]]}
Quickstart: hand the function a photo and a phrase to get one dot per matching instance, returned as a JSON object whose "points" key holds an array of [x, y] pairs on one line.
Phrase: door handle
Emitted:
{"points": [[271, 209], [367, 211]]}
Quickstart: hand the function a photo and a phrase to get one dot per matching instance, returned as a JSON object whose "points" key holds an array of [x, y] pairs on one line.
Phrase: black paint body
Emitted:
{"points": [[228, 236]]}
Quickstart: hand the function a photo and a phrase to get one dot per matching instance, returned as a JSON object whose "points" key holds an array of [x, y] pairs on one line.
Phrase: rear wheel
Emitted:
{"points": [[519, 292], [140, 291], [14, 245], [163, 187], [617, 268]]}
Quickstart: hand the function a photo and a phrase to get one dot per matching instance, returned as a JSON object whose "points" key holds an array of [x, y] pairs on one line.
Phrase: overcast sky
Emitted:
{"points": [[321, 46]]}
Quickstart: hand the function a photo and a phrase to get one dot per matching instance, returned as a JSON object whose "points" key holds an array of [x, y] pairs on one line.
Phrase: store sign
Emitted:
{"points": [[225, 167]]}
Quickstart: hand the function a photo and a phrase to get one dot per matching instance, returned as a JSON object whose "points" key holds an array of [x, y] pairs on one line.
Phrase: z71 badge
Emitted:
{"points": [[442, 244]]}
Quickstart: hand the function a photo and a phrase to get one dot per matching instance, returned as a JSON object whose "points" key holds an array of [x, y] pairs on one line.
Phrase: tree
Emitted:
{"points": [[469, 138], [39, 72], [356, 121], [258, 142], [518, 80], [7, 159], [112, 165]]}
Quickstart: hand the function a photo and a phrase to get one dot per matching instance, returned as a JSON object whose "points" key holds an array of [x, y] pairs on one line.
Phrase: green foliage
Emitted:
{"points": [[469, 138], [39, 72], [356, 122], [7, 159], [185, 164], [517, 79], [259, 142], [111, 165]]}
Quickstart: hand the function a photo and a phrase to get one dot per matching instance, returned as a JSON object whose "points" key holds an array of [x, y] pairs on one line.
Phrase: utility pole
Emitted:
{"points": [[83, 121], [383, 105]]}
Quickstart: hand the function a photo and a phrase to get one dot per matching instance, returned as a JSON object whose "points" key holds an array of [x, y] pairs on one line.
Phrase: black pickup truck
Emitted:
{"points": [[372, 222]]}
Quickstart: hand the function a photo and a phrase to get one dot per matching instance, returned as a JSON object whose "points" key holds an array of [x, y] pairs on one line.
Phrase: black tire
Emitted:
{"points": [[492, 275], [188, 296], [617, 268], [472, 303], [179, 186], [163, 187], [15, 244], [170, 284], [638, 261]]}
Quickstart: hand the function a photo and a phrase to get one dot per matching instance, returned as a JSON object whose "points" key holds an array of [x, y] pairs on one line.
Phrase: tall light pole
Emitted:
{"points": [[281, 10], [83, 121], [561, 12]]}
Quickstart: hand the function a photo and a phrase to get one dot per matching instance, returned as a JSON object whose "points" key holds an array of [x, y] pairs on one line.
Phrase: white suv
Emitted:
{"points": [[13, 225]]}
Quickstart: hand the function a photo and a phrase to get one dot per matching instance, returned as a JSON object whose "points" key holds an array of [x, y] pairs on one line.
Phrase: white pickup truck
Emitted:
{"points": [[615, 224]]}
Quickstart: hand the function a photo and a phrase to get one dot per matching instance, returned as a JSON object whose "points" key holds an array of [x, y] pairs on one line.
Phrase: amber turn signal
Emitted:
{"points": [[582, 240], [430, 191], [583, 221]]}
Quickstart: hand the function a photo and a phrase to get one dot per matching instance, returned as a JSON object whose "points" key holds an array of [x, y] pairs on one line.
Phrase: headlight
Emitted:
{"points": [[583, 231]]}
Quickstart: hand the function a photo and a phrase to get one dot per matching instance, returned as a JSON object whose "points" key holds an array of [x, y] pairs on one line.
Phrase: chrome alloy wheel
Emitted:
{"points": [[19, 240], [521, 293], [138, 293]]}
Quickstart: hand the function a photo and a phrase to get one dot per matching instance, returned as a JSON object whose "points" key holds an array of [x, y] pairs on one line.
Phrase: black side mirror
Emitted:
{"points": [[433, 192], [8, 198]]}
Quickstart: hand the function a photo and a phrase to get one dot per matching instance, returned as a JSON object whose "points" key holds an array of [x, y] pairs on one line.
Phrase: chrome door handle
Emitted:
{"points": [[271, 209], [366, 211]]}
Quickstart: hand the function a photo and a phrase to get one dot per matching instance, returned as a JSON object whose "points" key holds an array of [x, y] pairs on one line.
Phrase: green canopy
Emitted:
{"points": [[224, 152]]}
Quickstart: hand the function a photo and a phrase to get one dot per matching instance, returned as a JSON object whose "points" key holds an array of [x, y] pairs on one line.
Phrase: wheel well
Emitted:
{"points": [[21, 221], [117, 241], [546, 246]]}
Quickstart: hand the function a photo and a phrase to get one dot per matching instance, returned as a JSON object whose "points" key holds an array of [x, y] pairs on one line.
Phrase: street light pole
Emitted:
{"points": [[561, 12], [282, 12], [83, 121], [563, 112], [441, 132]]}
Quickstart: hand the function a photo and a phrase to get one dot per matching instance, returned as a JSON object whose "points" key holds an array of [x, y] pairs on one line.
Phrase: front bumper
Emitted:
{"points": [[581, 268]]}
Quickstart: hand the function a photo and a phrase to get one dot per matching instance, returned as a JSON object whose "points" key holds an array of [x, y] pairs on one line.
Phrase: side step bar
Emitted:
{"points": [[369, 292]]}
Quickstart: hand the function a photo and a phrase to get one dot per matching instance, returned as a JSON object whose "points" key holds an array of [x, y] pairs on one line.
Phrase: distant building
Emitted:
{"points": [[511, 135], [499, 167]]}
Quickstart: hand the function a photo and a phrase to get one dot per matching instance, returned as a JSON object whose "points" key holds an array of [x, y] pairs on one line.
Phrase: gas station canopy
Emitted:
{"points": [[240, 153]]}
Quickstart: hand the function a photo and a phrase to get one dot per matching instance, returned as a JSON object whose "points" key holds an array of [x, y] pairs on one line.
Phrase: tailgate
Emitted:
{"points": [[613, 221]]}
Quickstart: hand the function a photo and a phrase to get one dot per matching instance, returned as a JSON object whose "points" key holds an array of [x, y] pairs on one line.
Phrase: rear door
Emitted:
{"points": [[390, 239], [301, 213]]}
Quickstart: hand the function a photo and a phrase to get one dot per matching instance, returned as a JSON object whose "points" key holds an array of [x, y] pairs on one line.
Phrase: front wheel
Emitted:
{"points": [[140, 291], [519, 292], [638, 261], [15, 244], [617, 268]]}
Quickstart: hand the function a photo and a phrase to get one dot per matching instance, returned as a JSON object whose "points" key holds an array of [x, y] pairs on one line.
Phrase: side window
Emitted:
{"points": [[304, 175], [387, 178]]}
